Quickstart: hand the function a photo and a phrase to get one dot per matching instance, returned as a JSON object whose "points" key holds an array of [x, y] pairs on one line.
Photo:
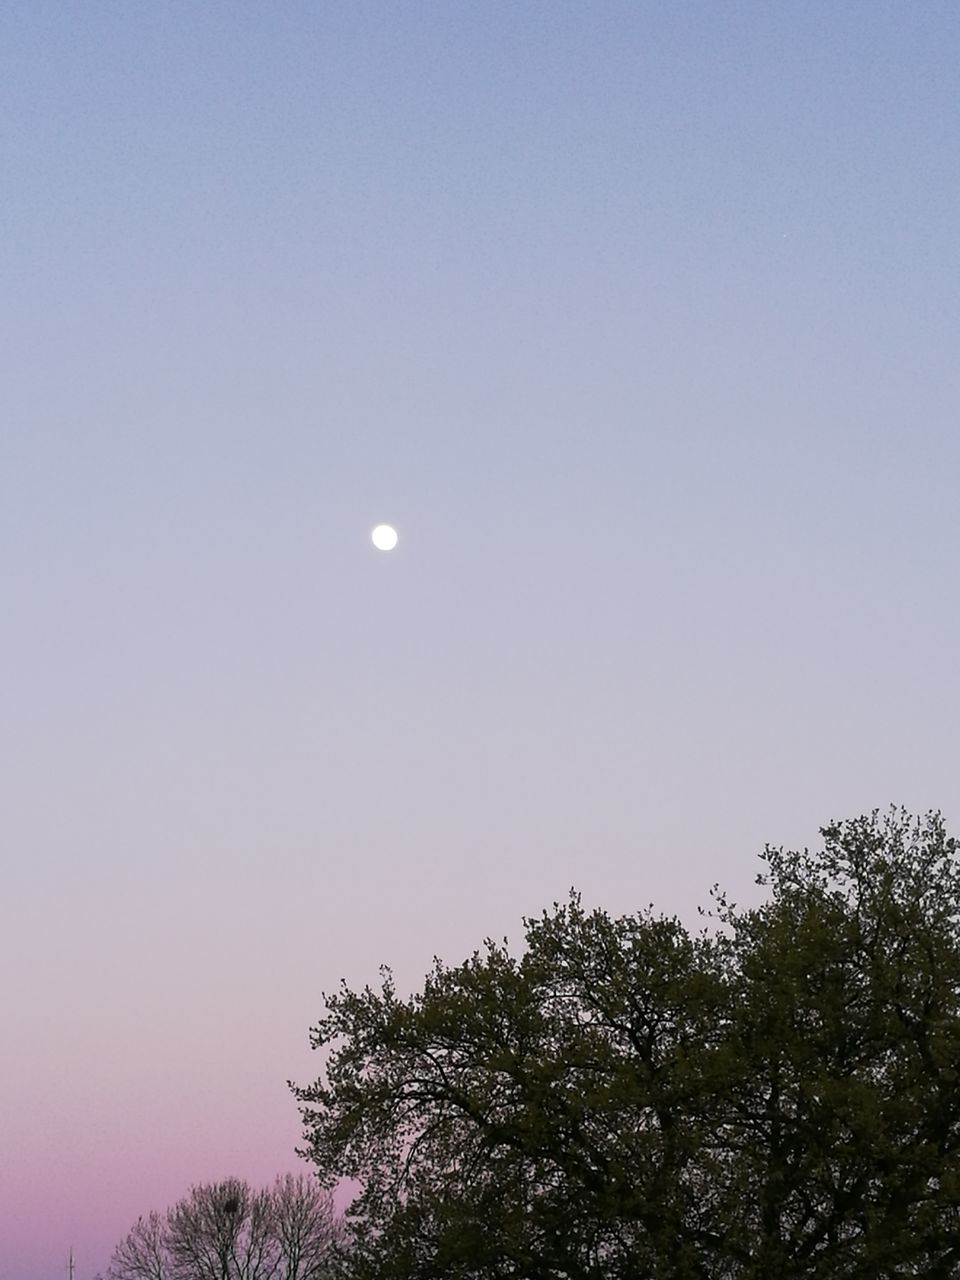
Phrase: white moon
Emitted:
{"points": [[384, 537]]}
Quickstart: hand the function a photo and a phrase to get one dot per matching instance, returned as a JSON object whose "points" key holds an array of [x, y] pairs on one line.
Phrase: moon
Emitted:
{"points": [[384, 537]]}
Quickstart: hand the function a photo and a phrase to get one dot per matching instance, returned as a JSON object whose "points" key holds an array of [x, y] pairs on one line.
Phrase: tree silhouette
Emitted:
{"points": [[228, 1231], [774, 1097]]}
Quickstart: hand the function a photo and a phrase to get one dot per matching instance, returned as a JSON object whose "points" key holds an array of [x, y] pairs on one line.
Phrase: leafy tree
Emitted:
{"points": [[228, 1231], [775, 1097], [845, 1118]]}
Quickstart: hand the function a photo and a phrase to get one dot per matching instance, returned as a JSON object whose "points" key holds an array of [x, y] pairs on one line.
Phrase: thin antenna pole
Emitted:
{"points": [[70, 1264]]}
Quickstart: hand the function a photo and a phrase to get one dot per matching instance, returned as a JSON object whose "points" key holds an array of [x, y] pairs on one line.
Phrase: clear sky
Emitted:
{"points": [[638, 320]]}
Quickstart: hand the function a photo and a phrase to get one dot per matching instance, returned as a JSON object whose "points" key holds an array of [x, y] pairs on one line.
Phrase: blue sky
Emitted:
{"points": [[639, 321]]}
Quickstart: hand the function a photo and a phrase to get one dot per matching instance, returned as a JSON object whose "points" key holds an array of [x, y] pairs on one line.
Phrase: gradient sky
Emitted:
{"points": [[639, 321]]}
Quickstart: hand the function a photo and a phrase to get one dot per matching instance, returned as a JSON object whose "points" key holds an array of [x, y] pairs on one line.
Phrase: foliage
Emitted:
{"points": [[626, 1101], [228, 1231]]}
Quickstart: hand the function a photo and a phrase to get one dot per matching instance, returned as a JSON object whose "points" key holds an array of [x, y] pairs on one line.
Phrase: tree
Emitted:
{"points": [[305, 1228], [142, 1254], [626, 1101], [222, 1231], [228, 1231], [846, 1020]]}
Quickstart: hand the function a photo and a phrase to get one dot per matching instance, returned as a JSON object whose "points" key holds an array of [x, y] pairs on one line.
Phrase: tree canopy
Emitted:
{"points": [[776, 1095]]}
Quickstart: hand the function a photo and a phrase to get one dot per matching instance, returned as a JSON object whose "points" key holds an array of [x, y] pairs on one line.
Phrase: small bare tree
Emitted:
{"points": [[143, 1255], [222, 1231], [306, 1227], [229, 1231]]}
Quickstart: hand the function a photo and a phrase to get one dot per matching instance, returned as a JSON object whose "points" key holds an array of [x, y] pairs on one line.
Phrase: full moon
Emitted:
{"points": [[384, 537]]}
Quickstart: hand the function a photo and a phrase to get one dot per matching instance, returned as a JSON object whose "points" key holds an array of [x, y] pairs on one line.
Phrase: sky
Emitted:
{"points": [[639, 322]]}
